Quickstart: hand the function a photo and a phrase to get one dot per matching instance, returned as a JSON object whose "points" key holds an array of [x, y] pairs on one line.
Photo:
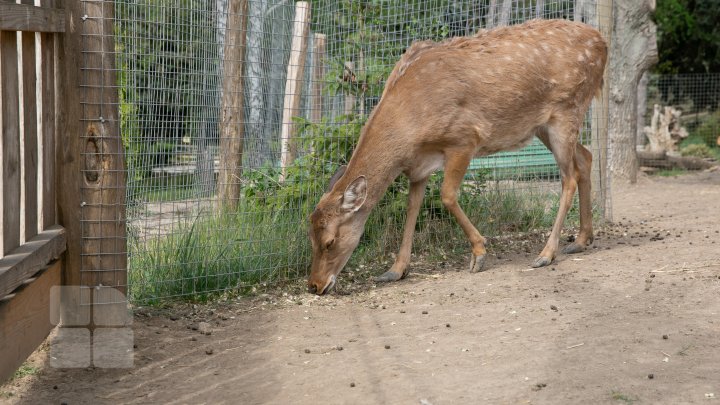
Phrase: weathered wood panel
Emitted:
{"points": [[25, 320], [30, 134], [24, 17], [32, 256], [48, 71], [68, 128], [10, 123]]}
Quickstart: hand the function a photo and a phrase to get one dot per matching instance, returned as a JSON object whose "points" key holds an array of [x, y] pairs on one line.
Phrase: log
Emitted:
{"points": [[665, 132]]}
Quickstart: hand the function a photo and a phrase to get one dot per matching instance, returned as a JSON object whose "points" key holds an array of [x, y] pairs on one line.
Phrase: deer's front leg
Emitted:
{"points": [[399, 268], [455, 167]]}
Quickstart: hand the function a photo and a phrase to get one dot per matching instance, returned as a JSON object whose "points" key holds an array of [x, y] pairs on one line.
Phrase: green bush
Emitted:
{"points": [[697, 150]]}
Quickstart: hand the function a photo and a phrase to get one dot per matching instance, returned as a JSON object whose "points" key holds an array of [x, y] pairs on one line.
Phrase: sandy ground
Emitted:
{"points": [[636, 319]]}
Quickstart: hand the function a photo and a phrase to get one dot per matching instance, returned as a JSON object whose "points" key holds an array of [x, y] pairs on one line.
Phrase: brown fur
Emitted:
{"points": [[445, 103]]}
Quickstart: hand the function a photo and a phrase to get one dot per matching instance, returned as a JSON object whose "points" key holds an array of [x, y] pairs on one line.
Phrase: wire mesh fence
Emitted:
{"points": [[678, 122], [234, 114]]}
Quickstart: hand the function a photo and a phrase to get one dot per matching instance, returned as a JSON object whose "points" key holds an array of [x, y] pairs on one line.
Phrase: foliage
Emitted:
{"points": [[688, 36], [697, 150]]}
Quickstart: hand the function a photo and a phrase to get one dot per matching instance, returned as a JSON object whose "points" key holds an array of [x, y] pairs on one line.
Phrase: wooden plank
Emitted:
{"points": [[294, 83], [30, 134], [27, 259], [47, 126], [68, 124], [10, 118], [24, 17], [318, 77], [25, 321]]}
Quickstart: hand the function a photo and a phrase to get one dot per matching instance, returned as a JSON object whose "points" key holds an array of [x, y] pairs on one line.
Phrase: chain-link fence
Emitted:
{"points": [[678, 122], [235, 114]]}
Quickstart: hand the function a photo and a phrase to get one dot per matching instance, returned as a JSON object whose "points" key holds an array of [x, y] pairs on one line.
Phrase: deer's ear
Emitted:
{"points": [[355, 194], [335, 177]]}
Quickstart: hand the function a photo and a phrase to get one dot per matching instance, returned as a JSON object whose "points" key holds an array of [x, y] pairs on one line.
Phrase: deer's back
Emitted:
{"points": [[508, 79]]}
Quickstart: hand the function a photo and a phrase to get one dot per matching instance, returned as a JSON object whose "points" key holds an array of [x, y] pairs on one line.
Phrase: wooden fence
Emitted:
{"points": [[55, 166]]}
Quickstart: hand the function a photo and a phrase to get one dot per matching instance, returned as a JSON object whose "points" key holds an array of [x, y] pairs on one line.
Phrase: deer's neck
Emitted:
{"points": [[378, 157]]}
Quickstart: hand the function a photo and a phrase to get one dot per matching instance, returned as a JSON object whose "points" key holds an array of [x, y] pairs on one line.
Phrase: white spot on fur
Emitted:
{"points": [[508, 58], [587, 53], [581, 58]]}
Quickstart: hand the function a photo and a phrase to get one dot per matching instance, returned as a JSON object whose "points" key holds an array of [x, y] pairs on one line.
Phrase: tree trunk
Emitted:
{"points": [[231, 113], [540, 9], [505, 13], [633, 50], [490, 18], [258, 151]]}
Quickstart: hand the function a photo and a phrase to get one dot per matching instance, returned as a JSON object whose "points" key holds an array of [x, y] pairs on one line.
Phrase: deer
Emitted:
{"points": [[446, 103]]}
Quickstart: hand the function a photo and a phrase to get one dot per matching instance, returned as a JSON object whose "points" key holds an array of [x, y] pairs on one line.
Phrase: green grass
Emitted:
{"points": [[619, 396], [25, 370], [213, 252], [671, 172]]}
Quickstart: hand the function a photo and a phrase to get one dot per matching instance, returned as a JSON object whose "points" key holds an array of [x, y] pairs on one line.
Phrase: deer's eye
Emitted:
{"points": [[329, 243]]}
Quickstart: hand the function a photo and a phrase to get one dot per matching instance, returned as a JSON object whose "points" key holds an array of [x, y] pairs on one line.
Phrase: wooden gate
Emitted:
{"points": [[56, 163]]}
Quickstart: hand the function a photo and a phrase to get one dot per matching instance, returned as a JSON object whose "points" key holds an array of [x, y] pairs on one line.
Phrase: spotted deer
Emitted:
{"points": [[448, 102]]}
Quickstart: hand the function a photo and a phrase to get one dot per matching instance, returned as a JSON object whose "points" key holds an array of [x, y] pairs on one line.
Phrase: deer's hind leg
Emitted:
{"points": [[560, 136], [583, 168]]}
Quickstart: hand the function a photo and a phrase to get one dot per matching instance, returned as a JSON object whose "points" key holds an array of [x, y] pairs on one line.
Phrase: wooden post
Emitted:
{"points": [[294, 84], [349, 76], [490, 18], [539, 8], [505, 13], [232, 125], [90, 162], [316, 111], [599, 124]]}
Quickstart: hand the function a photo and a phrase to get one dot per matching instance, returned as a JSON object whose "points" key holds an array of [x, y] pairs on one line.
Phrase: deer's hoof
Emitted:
{"points": [[387, 277], [476, 263], [542, 261], [573, 248]]}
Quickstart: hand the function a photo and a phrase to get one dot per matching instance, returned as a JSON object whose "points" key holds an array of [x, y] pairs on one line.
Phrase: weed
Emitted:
{"points": [[671, 172], [619, 396], [25, 370]]}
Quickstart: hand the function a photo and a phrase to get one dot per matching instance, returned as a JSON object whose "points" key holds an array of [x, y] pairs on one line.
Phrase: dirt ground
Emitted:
{"points": [[634, 319]]}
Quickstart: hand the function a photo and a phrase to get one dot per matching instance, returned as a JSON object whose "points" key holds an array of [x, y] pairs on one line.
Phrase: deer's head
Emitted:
{"points": [[335, 229]]}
